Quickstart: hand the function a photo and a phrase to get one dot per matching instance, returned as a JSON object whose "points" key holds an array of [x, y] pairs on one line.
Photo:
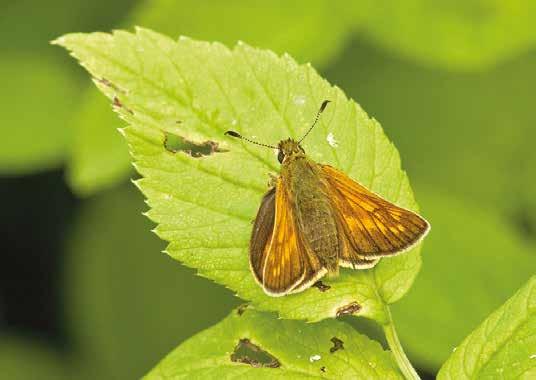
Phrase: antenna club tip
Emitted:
{"points": [[233, 134], [324, 105]]}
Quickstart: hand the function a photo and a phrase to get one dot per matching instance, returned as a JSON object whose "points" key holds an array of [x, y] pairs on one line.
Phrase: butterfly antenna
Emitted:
{"points": [[322, 108], [239, 136]]}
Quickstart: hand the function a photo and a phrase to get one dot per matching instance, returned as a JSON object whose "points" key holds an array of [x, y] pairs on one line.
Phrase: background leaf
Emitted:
{"points": [[209, 88], [469, 272], [99, 157], [503, 346], [40, 89], [302, 350], [456, 35], [37, 137]]}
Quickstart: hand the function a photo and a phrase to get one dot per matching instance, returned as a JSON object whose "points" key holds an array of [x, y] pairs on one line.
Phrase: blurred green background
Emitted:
{"points": [[85, 291]]}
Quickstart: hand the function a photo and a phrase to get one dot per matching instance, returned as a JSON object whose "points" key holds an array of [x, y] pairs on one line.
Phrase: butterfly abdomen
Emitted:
{"points": [[316, 221]]}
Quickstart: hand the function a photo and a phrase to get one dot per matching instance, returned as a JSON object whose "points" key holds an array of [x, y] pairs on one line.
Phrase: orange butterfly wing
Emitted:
{"points": [[281, 262], [372, 226]]}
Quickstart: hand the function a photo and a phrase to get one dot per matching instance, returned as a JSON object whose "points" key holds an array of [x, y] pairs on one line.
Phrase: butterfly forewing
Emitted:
{"points": [[373, 226]]}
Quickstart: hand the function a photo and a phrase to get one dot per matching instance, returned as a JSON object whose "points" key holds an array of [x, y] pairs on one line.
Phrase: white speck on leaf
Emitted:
{"points": [[331, 140], [454, 349], [372, 364], [315, 358], [299, 100], [533, 356], [234, 122]]}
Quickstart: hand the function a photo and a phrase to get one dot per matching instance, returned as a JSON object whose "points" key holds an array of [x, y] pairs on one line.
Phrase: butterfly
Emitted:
{"points": [[315, 219]]}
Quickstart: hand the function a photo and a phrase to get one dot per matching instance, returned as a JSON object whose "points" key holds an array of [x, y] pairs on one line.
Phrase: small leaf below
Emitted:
{"points": [[257, 345]]}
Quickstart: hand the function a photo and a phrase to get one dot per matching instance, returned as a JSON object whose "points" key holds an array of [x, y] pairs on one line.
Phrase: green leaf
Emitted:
{"points": [[204, 206], [37, 99], [127, 303], [503, 346], [99, 158], [292, 350], [459, 35], [475, 263]]}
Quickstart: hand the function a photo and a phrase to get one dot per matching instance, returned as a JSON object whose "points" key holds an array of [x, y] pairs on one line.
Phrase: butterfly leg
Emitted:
{"points": [[273, 180]]}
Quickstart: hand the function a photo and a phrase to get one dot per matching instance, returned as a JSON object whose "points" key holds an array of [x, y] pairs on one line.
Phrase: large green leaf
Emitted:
{"points": [[456, 35], [476, 262], [291, 350], [204, 206], [99, 158], [128, 304], [503, 346]]}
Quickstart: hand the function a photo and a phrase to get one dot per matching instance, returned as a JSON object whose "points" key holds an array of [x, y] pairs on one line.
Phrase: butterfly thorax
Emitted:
{"points": [[312, 208]]}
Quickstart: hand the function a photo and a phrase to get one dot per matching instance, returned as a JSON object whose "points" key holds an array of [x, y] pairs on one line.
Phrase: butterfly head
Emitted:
{"points": [[288, 150]]}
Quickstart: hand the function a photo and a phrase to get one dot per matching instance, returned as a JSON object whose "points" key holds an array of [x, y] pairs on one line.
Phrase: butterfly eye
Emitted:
{"points": [[280, 156]]}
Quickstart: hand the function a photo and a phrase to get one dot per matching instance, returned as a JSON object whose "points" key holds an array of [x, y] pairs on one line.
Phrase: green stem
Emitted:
{"points": [[396, 348]]}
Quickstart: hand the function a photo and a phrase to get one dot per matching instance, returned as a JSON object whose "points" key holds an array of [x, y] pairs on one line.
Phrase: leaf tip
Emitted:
{"points": [[58, 41]]}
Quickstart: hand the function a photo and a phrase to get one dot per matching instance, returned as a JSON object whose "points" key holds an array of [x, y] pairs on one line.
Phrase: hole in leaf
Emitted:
{"points": [[321, 286], [323, 369], [349, 309], [174, 144], [242, 308], [248, 353], [337, 345]]}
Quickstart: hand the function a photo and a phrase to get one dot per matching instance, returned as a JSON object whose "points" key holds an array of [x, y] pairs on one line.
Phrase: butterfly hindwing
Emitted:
{"points": [[280, 260], [348, 256], [373, 226], [262, 234]]}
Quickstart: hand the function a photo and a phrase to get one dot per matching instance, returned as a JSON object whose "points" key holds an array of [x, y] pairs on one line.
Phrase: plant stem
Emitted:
{"points": [[396, 348]]}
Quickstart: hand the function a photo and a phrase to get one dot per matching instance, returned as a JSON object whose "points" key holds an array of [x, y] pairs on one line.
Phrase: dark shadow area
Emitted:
{"points": [[36, 212]]}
